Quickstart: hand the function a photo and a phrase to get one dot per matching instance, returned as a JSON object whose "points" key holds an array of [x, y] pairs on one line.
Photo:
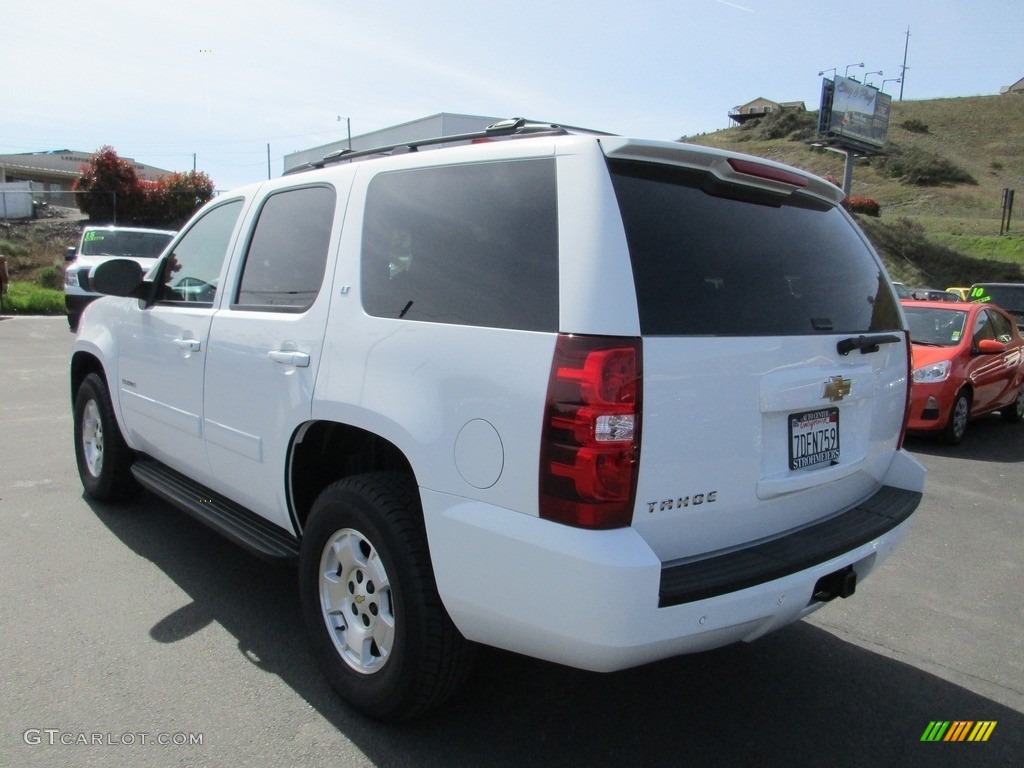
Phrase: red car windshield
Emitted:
{"points": [[935, 327]]}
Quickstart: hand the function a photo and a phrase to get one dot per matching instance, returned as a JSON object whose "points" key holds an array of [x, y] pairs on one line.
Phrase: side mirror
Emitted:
{"points": [[990, 347], [69, 253], [118, 277]]}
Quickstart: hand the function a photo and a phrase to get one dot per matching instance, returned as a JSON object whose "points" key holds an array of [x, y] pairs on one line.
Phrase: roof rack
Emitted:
{"points": [[516, 126]]}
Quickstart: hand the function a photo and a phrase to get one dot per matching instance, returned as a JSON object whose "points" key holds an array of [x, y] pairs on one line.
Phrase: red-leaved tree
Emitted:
{"points": [[172, 199], [109, 189], [112, 193]]}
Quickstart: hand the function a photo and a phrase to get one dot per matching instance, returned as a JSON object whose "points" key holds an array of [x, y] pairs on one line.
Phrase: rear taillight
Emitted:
{"points": [[591, 439]]}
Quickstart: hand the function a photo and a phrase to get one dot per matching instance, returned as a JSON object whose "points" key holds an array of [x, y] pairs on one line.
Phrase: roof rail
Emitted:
{"points": [[516, 126]]}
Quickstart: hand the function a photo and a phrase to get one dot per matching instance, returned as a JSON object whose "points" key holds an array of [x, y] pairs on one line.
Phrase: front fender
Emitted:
{"points": [[95, 349]]}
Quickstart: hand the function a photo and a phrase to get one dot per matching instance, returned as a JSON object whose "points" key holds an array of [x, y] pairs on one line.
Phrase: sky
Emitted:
{"points": [[213, 83]]}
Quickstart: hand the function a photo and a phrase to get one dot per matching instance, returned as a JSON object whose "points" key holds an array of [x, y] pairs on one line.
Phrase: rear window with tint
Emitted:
{"points": [[730, 262], [467, 244]]}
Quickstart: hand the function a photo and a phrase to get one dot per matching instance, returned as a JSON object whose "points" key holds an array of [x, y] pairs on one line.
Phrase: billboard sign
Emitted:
{"points": [[853, 113]]}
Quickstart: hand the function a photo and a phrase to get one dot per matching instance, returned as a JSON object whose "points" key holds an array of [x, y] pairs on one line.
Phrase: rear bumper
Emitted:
{"points": [[601, 600], [799, 551]]}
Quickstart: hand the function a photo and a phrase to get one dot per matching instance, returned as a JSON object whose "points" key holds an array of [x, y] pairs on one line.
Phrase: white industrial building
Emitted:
{"points": [[441, 124]]}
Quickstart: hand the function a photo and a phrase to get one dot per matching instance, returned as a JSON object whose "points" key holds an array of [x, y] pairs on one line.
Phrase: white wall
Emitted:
{"points": [[16, 200]]}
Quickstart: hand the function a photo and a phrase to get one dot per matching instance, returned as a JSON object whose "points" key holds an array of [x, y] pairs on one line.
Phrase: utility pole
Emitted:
{"points": [[903, 69], [348, 125], [268, 160]]}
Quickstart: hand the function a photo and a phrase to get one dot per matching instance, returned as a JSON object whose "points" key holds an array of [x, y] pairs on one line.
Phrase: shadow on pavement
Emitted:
{"points": [[988, 438], [799, 697]]}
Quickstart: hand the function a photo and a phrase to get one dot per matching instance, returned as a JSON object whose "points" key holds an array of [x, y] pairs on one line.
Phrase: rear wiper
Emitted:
{"points": [[866, 344]]}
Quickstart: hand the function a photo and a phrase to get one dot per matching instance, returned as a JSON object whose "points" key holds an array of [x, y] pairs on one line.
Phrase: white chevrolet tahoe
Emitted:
{"points": [[596, 400]]}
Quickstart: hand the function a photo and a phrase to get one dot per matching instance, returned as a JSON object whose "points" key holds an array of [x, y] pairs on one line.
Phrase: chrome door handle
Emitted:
{"points": [[188, 345], [289, 357]]}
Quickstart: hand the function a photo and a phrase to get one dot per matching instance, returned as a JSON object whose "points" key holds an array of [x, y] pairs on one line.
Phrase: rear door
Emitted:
{"points": [[994, 376], [265, 346], [762, 412]]}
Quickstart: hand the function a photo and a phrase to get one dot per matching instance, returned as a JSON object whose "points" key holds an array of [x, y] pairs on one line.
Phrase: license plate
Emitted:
{"points": [[813, 438]]}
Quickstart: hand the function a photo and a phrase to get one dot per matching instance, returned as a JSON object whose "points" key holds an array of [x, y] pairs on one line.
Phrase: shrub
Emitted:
{"points": [[914, 126], [172, 199], [51, 277], [919, 167], [792, 124], [864, 205]]}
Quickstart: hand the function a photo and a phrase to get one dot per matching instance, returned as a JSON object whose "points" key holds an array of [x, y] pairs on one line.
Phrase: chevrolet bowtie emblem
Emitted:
{"points": [[836, 388]]}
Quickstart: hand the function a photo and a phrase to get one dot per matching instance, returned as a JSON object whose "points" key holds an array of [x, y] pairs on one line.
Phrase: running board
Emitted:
{"points": [[245, 528]]}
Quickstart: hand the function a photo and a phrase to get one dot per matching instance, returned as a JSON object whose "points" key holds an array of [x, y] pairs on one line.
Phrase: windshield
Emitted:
{"points": [[114, 242], [1009, 297], [935, 327]]}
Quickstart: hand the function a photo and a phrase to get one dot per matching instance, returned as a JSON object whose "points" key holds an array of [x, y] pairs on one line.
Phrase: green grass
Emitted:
{"points": [[25, 298], [995, 248]]}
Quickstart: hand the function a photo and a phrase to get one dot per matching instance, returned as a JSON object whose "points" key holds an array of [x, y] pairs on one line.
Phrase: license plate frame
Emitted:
{"points": [[814, 438]]}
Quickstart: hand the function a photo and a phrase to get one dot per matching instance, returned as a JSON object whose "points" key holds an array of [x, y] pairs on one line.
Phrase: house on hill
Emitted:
{"points": [[1017, 87], [760, 107]]}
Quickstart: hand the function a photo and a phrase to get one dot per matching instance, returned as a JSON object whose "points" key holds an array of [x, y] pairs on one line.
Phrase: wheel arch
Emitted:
{"points": [[323, 452], [968, 389], [82, 364]]}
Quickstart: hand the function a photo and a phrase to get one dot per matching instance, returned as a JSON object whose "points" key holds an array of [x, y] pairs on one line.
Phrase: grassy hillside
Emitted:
{"points": [[945, 234]]}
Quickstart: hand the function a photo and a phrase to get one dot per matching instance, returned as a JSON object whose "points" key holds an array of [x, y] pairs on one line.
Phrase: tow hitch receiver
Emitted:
{"points": [[839, 584]]}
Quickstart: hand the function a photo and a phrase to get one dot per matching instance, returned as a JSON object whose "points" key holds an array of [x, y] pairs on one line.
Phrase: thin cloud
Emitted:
{"points": [[733, 5]]}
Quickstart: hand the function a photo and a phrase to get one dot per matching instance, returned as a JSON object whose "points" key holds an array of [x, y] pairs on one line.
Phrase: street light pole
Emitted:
{"points": [[890, 80], [903, 69]]}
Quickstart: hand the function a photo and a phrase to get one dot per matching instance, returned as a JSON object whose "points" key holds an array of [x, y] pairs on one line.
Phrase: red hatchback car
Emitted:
{"points": [[968, 361]]}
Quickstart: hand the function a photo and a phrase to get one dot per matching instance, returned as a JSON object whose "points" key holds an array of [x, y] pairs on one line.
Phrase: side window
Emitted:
{"points": [[1001, 327], [286, 257], [191, 271], [466, 244], [984, 328]]}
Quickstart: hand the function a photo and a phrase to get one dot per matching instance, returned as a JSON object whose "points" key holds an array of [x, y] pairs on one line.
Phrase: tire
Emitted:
{"points": [[956, 427], [376, 623], [73, 321], [104, 459], [1014, 412]]}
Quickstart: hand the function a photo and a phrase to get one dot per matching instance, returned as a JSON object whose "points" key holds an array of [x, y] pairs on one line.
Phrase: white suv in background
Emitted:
{"points": [[592, 399], [98, 244]]}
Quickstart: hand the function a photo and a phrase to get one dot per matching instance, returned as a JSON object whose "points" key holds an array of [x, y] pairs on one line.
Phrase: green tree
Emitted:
{"points": [[175, 197]]}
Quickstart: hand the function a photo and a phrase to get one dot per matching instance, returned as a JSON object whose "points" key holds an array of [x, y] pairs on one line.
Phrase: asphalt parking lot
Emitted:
{"points": [[132, 635]]}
